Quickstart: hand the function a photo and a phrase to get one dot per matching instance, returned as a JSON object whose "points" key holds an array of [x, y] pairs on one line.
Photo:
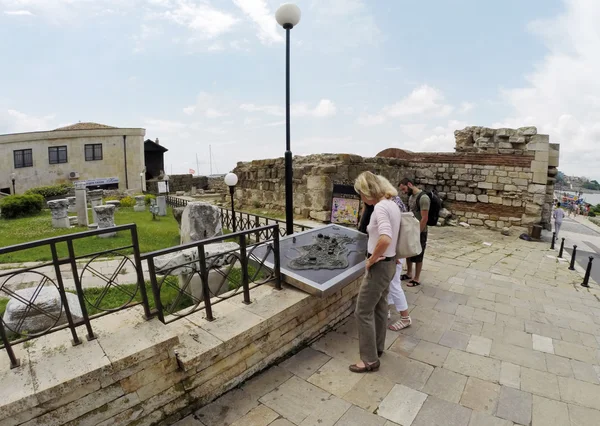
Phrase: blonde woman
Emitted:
{"points": [[371, 305]]}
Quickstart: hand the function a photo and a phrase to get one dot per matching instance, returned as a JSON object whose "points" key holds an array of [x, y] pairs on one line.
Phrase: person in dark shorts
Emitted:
{"points": [[421, 212]]}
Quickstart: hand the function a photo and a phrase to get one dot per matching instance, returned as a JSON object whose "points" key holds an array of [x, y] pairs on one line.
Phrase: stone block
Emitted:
{"points": [[500, 173], [490, 223], [504, 180], [515, 405], [446, 385], [402, 405], [495, 200], [539, 383], [505, 145], [579, 393], [511, 188], [516, 139], [439, 412], [483, 198], [471, 198], [533, 209], [481, 396], [461, 197], [200, 221], [539, 199], [520, 182], [539, 166], [540, 177], [491, 179], [323, 216], [318, 182], [536, 189], [541, 156], [484, 185]]}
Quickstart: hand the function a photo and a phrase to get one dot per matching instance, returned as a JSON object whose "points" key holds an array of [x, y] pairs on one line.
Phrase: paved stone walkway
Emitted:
{"points": [[502, 335]]}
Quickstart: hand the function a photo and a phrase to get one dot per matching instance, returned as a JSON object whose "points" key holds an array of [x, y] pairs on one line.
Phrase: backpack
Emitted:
{"points": [[435, 205], [409, 237]]}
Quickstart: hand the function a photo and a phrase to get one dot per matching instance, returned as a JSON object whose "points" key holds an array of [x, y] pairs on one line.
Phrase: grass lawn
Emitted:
{"points": [[153, 235]]}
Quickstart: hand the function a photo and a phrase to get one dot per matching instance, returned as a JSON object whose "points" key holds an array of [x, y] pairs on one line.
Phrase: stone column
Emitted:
{"points": [[72, 204], [106, 219], [161, 202], [95, 200], [81, 205], [60, 218], [140, 203]]}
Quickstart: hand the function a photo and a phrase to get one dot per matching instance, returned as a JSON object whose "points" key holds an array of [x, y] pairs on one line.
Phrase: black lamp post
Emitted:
{"points": [[288, 16], [231, 181], [12, 177]]}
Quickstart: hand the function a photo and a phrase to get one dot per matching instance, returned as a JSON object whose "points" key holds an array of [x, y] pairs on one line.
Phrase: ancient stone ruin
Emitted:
{"points": [[60, 217], [495, 178], [106, 219], [200, 221]]}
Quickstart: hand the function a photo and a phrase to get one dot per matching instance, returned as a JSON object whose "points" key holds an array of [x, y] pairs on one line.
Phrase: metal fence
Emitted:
{"points": [[65, 279], [201, 278]]}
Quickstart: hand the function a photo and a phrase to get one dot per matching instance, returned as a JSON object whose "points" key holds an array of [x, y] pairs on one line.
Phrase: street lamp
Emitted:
{"points": [[231, 181], [288, 16], [142, 181], [12, 177]]}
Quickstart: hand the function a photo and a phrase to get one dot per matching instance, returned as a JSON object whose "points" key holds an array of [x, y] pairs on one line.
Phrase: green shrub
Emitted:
{"points": [[591, 214], [21, 205], [51, 191], [127, 202], [148, 199]]}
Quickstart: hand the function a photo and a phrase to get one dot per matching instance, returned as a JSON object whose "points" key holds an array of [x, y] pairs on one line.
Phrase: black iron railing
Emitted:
{"points": [[49, 279], [176, 201], [204, 276], [247, 221]]}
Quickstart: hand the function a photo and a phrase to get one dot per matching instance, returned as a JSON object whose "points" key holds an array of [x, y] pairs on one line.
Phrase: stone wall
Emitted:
{"points": [[147, 373], [496, 177], [180, 183], [216, 184]]}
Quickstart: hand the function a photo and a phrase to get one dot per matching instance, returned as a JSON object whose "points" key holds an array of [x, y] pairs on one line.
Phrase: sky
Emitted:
{"points": [[366, 75]]}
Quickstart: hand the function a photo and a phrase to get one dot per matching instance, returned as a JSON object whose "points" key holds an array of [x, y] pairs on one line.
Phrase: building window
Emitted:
{"points": [[93, 152], [23, 158], [57, 154]]}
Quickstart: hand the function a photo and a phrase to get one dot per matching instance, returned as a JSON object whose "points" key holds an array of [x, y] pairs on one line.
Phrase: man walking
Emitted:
{"points": [[558, 216], [418, 203]]}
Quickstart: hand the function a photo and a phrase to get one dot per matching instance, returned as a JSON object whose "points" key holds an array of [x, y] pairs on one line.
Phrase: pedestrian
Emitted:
{"points": [[418, 203], [558, 216], [380, 266], [396, 296]]}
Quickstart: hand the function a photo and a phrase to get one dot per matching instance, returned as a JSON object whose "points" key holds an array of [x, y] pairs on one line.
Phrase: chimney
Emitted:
{"points": [[157, 142]]}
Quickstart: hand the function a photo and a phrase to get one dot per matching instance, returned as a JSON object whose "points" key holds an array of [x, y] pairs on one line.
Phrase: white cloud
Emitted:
{"points": [[189, 110], [18, 122], [325, 108], [466, 107], [424, 100], [208, 106], [259, 12], [18, 13], [562, 95], [203, 19]]}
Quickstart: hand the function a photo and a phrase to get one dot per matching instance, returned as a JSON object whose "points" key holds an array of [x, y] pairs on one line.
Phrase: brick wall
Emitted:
{"points": [[502, 177]]}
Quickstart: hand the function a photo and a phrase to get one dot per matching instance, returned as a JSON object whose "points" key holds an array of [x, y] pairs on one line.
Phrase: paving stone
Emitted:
{"points": [[426, 301], [227, 409], [467, 326], [559, 366], [335, 378], [542, 343], [446, 306], [574, 351], [584, 372], [369, 391], [430, 353], [260, 416], [514, 405], [589, 340], [402, 370], [188, 421], [465, 311], [580, 393], [581, 416], [305, 363], [570, 336], [473, 365], [295, 399], [482, 419], [519, 356], [404, 345], [454, 339], [518, 338], [480, 395], [282, 422], [437, 412], [549, 412], [266, 382], [338, 346], [493, 331], [510, 375], [479, 345], [327, 413], [402, 404], [539, 383], [484, 316], [430, 333], [356, 416], [446, 385], [542, 329]]}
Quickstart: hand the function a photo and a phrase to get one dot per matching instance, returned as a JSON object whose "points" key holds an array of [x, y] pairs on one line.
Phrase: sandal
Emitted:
{"points": [[413, 283], [366, 369], [401, 324], [405, 277]]}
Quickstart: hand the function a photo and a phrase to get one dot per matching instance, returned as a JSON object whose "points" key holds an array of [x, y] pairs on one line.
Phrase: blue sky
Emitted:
{"points": [[366, 74]]}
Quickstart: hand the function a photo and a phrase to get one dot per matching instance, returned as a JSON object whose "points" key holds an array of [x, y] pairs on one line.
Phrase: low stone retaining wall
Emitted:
{"points": [[146, 373]]}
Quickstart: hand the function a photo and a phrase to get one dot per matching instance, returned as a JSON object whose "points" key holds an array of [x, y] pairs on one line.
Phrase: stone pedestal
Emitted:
{"points": [[81, 205], [115, 203], [161, 202], [106, 219], [72, 205], [95, 197], [60, 218], [194, 190], [199, 222], [140, 203]]}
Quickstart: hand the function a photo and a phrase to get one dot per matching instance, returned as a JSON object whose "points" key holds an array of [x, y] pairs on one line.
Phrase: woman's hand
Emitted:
{"points": [[372, 260]]}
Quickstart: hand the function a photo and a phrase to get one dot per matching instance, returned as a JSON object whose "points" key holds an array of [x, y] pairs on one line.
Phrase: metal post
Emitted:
{"points": [[79, 288], [588, 271], [244, 262], [562, 247], [231, 191], [204, 278], [140, 272], [572, 266], [289, 198], [553, 238], [63, 296], [276, 258], [14, 190]]}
